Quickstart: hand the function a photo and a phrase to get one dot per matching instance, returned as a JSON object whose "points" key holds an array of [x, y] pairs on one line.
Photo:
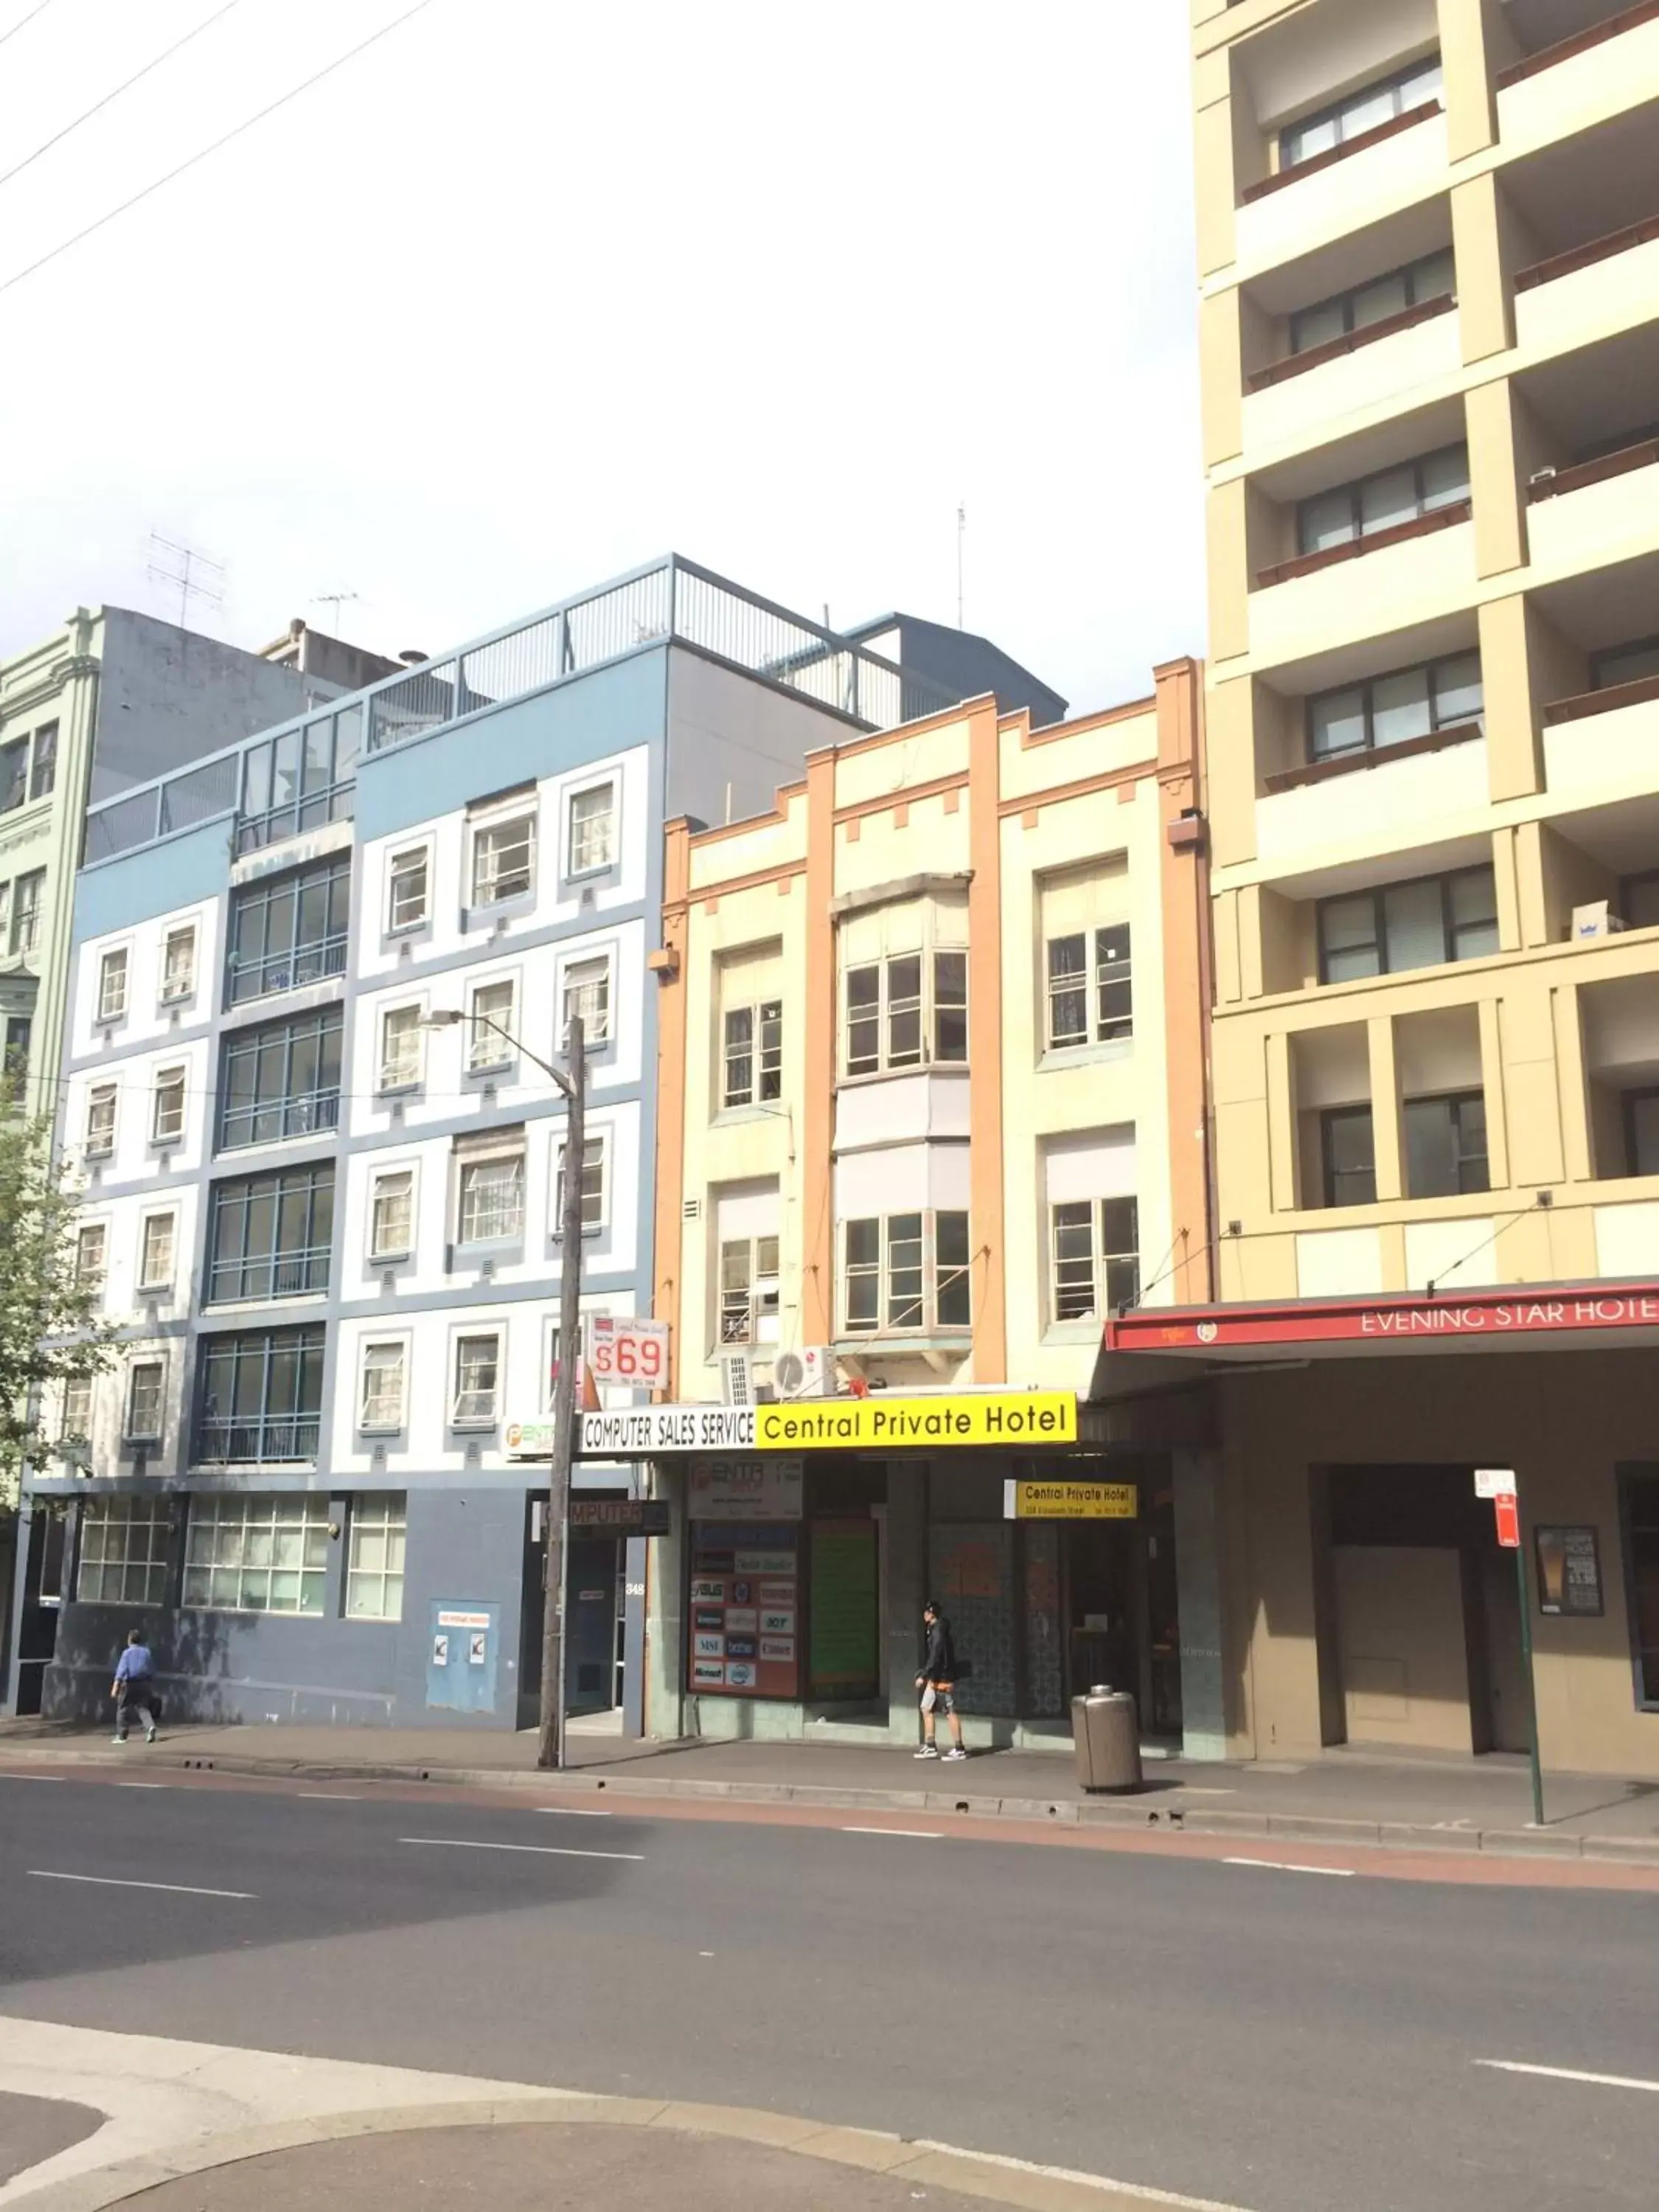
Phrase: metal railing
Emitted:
{"points": [[222, 1442], [267, 1121], [287, 971], [269, 1275], [672, 599]]}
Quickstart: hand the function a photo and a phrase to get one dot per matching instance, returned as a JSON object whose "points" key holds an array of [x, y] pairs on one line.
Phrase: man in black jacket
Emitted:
{"points": [[938, 1682]]}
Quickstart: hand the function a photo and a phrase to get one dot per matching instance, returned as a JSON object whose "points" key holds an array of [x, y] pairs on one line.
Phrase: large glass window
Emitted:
{"points": [[1433, 277], [1095, 1257], [1446, 1145], [906, 1273], [903, 1010], [281, 1079], [1384, 500], [1387, 710], [374, 1555], [261, 1396], [1085, 1007], [1425, 923], [300, 780], [749, 1291], [749, 1078], [254, 1555], [290, 931], [124, 1545], [1328, 129], [1349, 1155], [271, 1234]]}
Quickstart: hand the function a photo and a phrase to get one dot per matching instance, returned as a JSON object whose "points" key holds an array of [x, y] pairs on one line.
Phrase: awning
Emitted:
{"points": [[1547, 1315]]}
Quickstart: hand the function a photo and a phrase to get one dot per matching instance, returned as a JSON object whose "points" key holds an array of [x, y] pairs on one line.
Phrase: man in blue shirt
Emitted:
{"points": [[135, 1687]]}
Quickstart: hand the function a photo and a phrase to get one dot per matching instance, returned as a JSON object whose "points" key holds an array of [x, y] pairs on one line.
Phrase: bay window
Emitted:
{"points": [[906, 1274]]}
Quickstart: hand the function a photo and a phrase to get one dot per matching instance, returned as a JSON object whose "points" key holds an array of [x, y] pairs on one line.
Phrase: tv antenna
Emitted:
{"points": [[335, 600], [190, 574]]}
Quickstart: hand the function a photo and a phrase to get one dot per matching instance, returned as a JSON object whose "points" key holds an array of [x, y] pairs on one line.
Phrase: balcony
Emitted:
{"points": [[1595, 652], [259, 1441], [1579, 61], [287, 971]]}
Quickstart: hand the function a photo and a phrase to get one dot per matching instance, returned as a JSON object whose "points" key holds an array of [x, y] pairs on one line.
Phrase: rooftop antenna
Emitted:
{"points": [[336, 600], [962, 532], [190, 574]]}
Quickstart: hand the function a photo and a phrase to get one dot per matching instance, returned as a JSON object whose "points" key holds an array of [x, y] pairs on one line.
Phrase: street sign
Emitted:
{"points": [[623, 1348], [1507, 1508], [620, 1516], [1494, 1482]]}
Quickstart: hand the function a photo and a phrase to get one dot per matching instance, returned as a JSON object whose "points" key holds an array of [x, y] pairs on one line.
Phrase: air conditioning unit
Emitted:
{"points": [[1595, 920], [736, 1378], [810, 1373]]}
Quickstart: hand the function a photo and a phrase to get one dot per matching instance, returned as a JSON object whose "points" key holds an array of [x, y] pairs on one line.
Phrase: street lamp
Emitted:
{"points": [[571, 1080]]}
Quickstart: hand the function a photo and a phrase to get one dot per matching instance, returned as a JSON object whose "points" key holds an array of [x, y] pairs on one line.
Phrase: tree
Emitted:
{"points": [[51, 1326]]}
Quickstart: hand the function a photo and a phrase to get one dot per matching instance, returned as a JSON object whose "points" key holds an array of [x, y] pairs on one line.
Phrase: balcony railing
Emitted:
{"points": [[1555, 484], [1635, 694], [287, 971], [269, 1275], [263, 1440], [308, 811], [1604, 248], [1581, 42], [267, 1121]]}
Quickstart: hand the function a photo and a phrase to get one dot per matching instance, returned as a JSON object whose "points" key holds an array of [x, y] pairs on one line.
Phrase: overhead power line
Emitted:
{"points": [[196, 159], [22, 20], [86, 116]]}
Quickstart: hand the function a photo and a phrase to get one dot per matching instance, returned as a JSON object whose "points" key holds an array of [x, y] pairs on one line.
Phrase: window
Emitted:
{"points": [[1446, 1145], [1625, 664], [907, 1272], [400, 1048], [300, 779], [491, 1014], [271, 1234], [289, 931], [1639, 1496], [381, 1404], [43, 769], [407, 892], [503, 859], [749, 1291], [253, 1554], [1425, 923], [155, 1250], [746, 1082], [261, 1396], [491, 1200], [281, 1079], [1085, 1009], [392, 1215], [1390, 710], [91, 1255], [478, 1374], [592, 829], [124, 1547], [100, 1121], [553, 1333], [1350, 1161], [178, 965], [1095, 1257], [14, 1056], [1328, 129], [587, 993], [593, 1187], [27, 895], [1642, 1132], [146, 1382], [374, 1556], [112, 986], [14, 773], [77, 1408], [166, 1115], [889, 1024], [1431, 278], [1383, 501]]}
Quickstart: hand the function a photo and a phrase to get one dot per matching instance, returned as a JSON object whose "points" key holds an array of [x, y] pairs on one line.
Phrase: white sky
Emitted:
{"points": [[535, 290]]}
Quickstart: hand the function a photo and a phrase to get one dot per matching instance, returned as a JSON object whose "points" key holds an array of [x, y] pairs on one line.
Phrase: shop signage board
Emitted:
{"points": [[970, 1419], [745, 1490], [620, 1516], [1494, 1482], [741, 1638], [1070, 1501], [623, 1348], [1486, 1316], [1569, 1572], [1507, 1508]]}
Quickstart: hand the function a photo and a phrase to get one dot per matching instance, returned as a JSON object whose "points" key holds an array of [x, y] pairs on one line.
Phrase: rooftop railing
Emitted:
{"points": [[303, 773]]}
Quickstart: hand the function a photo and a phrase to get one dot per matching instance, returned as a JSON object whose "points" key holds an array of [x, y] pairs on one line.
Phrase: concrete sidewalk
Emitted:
{"points": [[1346, 1796]]}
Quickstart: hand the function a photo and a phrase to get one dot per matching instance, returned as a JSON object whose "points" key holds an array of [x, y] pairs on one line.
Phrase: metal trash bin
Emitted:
{"points": [[1106, 1738]]}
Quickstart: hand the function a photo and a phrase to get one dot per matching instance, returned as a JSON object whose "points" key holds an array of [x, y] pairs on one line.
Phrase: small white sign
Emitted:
{"points": [[1494, 1482]]}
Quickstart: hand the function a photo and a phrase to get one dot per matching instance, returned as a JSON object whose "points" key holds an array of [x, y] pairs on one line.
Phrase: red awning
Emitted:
{"points": [[1562, 1314]]}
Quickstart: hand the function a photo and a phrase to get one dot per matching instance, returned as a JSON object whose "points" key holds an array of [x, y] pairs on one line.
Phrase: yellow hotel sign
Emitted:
{"points": [[1070, 1501], [1017, 1418]]}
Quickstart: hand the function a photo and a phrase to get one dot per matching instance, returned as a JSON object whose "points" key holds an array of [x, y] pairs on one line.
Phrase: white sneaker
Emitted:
{"points": [[955, 1752], [927, 1751]]}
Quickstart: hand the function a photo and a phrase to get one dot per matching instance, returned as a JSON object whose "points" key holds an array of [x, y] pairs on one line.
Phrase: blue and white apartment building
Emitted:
{"points": [[326, 1230]]}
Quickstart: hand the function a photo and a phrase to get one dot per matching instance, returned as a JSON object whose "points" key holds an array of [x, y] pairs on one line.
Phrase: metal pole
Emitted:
{"points": [[1532, 1691], [550, 1750]]}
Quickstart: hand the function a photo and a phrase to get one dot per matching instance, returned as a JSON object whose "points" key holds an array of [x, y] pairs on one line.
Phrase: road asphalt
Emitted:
{"points": [[1253, 2034]]}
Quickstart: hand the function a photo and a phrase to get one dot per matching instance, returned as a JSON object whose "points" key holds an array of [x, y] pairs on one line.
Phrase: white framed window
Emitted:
{"points": [[503, 859], [1091, 994], [257, 1555], [91, 1255], [753, 1054], [392, 1215], [490, 1198], [146, 1396], [27, 897], [155, 1247], [906, 1274], [166, 1115], [1094, 1256], [77, 1408], [124, 1547], [178, 965], [380, 1397], [400, 1048], [587, 989], [749, 1290], [409, 875], [374, 1555], [596, 1186], [100, 1121], [113, 984], [591, 836], [490, 1009], [477, 1380], [907, 1011]]}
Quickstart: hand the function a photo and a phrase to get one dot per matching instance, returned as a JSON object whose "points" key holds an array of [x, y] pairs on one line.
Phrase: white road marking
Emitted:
{"points": [[1201, 1790], [11, 1774], [1287, 1866], [1572, 2074], [143, 1786], [115, 1881], [917, 1835], [541, 1850], [330, 1796], [1137, 2189], [575, 1812]]}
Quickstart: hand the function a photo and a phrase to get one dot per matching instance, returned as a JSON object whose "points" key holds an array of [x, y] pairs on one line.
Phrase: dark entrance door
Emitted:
{"points": [[593, 1578], [43, 1590]]}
